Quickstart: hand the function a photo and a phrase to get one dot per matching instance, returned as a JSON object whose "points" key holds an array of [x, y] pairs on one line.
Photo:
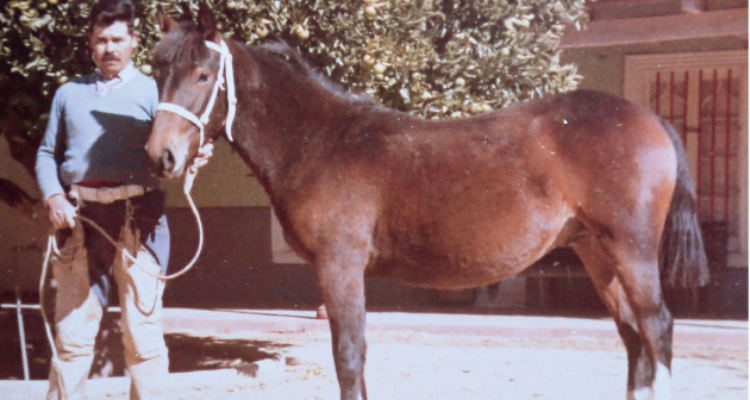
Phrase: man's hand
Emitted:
{"points": [[204, 154], [61, 212]]}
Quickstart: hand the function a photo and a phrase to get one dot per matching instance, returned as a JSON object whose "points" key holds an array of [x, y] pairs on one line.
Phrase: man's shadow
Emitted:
{"points": [[120, 147], [186, 353]]}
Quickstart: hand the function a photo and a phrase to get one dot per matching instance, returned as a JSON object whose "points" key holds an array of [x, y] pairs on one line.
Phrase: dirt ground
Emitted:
{"points": [[424, 366], [209, 364]]}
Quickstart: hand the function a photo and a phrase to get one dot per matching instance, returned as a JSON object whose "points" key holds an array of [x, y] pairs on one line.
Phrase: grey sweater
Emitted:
{"points": [[98, 135]]}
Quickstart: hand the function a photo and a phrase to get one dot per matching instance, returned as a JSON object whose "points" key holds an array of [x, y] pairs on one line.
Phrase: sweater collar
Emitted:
{"points": [[103, 86]]}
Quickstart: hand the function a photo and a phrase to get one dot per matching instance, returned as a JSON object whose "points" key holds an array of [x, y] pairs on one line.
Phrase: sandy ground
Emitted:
{"points": [[425, 366], [408, 364]]}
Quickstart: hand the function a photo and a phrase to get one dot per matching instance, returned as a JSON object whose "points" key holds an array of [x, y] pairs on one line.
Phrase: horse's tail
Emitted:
{"points": [[682, 255]]}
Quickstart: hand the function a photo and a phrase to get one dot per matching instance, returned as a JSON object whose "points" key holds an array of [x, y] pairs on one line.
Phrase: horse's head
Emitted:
{"points": [[190, 65]]}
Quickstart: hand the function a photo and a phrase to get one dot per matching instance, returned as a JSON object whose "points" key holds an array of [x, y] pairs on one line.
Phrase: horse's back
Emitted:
{"points": [[482, 198]]}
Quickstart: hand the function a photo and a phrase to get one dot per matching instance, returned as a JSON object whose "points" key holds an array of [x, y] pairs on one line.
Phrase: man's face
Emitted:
{"points": [[112, 47]]}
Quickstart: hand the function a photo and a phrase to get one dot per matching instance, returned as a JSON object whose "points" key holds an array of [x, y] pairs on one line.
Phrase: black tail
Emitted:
{"points": [[682, 255]]}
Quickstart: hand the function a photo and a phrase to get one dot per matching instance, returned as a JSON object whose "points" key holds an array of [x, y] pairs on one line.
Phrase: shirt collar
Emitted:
{"points": [[126, 74]]}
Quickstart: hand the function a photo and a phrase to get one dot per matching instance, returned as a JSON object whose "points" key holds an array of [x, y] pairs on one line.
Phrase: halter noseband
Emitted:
{"points": [[226, 73]]}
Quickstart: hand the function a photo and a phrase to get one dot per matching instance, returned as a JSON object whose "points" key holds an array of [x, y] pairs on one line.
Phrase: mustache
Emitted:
{"points": [[110, 57]]}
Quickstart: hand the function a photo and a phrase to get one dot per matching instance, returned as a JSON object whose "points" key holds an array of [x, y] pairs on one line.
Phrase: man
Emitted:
{"points": [[92, 163]]}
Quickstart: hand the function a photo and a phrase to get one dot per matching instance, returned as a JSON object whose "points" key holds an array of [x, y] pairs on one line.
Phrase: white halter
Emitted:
{"points": [[226, 73]]}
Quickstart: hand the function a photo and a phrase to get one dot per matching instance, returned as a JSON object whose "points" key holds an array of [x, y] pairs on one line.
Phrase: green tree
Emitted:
{"points": [[435, 58]]}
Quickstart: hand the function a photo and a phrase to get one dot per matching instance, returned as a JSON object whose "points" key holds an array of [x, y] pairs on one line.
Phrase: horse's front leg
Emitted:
{"points": [[341, 279]]}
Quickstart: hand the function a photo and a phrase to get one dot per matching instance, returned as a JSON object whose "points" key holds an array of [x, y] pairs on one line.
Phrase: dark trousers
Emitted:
{"points": [[147, 217]]}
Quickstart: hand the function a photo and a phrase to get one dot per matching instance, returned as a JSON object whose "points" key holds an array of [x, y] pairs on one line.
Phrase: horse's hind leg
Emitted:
{"points": [[631, 291], [342, 285]]}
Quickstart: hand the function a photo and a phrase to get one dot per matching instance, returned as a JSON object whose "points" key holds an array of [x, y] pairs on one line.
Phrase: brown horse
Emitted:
{"points": [[361, 190]]}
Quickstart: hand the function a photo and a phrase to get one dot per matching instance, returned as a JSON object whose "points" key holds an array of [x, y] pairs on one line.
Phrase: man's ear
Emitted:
{"points": [[166, 23], [135, 36], [207, 22]]}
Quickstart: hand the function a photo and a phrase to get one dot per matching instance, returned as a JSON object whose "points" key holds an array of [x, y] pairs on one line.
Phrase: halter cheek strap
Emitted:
{"points": [[225, 74]]}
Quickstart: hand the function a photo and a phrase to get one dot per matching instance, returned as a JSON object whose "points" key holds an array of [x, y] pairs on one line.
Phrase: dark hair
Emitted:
{"points": [[107, 12]]}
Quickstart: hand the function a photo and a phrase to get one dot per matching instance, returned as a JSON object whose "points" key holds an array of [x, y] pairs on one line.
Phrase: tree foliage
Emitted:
{"points": [[435, 58]]}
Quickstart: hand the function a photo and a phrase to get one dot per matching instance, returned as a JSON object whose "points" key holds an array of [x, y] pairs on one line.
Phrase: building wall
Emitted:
{"points": [[603, 68]]}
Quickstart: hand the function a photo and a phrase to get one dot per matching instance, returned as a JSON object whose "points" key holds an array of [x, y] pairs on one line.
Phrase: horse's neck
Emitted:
{"points": [[289, 120]]}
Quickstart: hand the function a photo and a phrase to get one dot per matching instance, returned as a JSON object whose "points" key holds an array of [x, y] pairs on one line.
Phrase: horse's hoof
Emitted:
{"points": [[322, 312]]}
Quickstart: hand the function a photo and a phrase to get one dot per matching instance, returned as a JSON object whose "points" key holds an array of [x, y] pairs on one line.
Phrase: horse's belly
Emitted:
{"points": [[445, 276], [441, 273], [451, 232], [466, 258]]}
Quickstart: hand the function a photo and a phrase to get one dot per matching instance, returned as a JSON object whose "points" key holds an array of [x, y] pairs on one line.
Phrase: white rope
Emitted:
{"points": [[231, 91], [219, 84], [55, 360]]}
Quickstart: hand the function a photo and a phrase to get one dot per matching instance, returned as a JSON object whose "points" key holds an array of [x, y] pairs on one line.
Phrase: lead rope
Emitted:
{"points": [[52, 249], [55, 360], [187, 185]]}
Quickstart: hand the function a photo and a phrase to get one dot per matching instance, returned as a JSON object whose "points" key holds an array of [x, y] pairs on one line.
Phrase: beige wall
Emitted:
{"points": [[603, 68], [225, 182]]}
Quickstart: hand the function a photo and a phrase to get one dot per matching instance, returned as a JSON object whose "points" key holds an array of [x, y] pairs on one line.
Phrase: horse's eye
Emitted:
{"points": [[203, 78]]}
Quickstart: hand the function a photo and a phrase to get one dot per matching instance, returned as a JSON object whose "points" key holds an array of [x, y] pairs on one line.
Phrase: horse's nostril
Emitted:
{"points": [[167, 161]]}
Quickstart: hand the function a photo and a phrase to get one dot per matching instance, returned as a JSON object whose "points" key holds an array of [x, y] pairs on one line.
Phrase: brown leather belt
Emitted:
{"points": [[107, 195]]}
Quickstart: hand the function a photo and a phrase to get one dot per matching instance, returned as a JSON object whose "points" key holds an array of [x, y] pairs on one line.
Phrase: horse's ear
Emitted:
{"points": [[187, 13], [166, 23], [207, 22]]}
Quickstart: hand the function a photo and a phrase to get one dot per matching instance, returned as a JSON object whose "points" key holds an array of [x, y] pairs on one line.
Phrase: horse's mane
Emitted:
{"points": [[278, 50]]}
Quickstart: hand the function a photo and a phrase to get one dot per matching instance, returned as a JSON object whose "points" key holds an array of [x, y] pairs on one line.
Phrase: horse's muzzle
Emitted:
{"points": [[163, 161], [166, 162]]}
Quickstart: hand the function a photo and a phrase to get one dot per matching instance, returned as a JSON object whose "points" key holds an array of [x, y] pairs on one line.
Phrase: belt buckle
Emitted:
{"points": [[105, 195], [132, 191]]}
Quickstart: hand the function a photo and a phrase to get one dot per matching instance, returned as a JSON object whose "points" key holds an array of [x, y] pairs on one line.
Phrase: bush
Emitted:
{"points": [[435, 58]]}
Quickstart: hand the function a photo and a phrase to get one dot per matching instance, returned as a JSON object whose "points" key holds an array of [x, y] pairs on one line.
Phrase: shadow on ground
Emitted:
{"points": [[186, 353]]}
